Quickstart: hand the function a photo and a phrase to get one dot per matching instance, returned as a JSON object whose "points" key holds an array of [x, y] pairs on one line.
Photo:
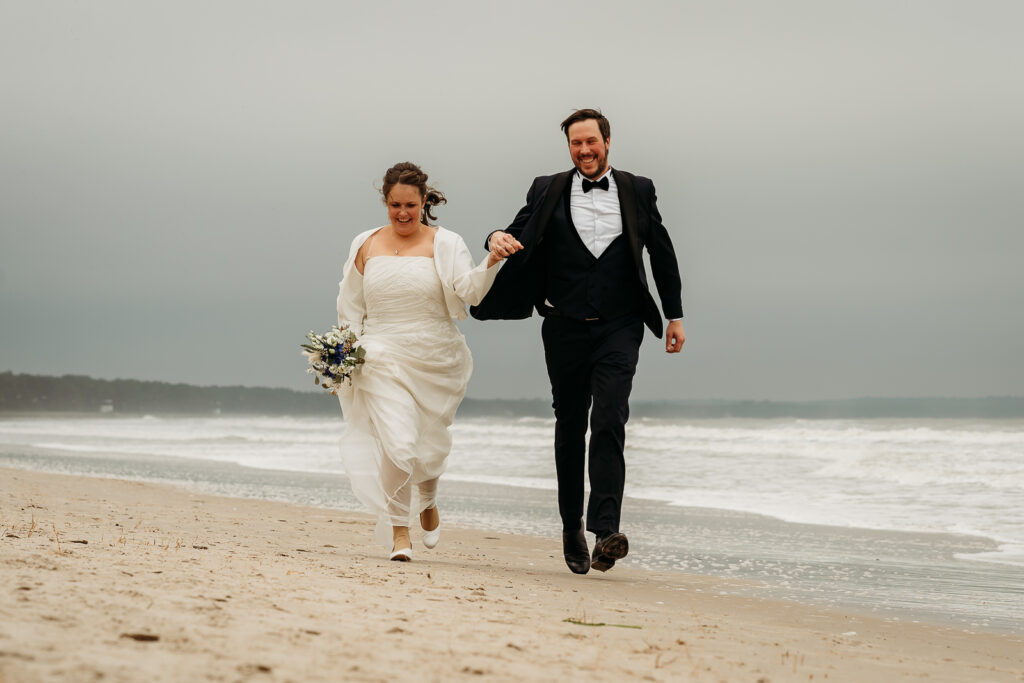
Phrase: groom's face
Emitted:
{"points": [[589, 151]]}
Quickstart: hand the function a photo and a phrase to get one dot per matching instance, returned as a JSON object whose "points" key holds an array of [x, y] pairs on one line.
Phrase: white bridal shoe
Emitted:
{"points": [[432, 537], [401, 551]]}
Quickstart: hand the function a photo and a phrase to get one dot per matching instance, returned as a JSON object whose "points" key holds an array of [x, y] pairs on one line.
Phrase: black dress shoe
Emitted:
{"points": [[577, 555], [611, 547]]}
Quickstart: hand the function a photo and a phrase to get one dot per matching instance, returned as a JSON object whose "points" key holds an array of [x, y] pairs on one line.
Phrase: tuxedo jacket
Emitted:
{"points": [[520, 285]]}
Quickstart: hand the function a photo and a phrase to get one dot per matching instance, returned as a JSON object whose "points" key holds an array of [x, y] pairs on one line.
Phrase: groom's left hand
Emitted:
{"points": [[503, 244], [674, 337]]}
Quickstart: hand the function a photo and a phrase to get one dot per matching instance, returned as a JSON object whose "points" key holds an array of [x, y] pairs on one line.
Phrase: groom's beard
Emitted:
{"points": [[602, 164]]}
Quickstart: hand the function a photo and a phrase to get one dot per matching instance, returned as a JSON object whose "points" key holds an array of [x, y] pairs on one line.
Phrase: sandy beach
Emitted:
{"points": [[115, 580]]}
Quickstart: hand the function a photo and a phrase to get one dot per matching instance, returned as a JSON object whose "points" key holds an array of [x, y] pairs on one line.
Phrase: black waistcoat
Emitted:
{"points": [[580, 285]]}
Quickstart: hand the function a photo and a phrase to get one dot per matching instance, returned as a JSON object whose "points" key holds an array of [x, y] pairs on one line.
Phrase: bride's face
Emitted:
{"points": [[405, 206]]}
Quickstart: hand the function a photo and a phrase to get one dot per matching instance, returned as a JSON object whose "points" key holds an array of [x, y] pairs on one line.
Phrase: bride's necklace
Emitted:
{"points": [[398, 248]]}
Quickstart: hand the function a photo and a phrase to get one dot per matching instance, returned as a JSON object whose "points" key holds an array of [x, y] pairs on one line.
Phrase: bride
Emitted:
{"points": [[402, 285]]}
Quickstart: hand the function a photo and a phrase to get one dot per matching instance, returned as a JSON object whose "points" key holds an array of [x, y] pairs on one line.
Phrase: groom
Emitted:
{"points": [[580, 239]]}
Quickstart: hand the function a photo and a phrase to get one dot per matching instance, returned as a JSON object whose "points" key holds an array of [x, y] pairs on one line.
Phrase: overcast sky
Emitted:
{"points": [[843, 181]]}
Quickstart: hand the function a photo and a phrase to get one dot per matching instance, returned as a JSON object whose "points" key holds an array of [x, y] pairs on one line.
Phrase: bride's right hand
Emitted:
{"points": [[502, 246]]}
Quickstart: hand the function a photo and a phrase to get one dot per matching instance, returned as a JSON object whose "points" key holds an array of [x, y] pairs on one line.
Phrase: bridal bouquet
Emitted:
{"points": [[333, 356]]}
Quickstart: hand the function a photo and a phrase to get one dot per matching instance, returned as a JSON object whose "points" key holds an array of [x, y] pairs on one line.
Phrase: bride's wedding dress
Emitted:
{"points": [[403, 399]]}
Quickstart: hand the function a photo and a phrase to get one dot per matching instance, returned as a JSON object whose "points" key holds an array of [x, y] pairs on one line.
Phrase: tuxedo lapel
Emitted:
{"points": [[627, 206], [555, 191]]}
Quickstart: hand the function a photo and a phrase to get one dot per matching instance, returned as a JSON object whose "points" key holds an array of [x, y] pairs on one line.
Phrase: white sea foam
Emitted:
{"points": [[524, 482], [68, 446], [956, 476]]}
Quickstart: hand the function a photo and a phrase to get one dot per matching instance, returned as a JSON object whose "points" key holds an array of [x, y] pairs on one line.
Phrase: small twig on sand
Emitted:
{"points": [[580, 622], [56, 537]]}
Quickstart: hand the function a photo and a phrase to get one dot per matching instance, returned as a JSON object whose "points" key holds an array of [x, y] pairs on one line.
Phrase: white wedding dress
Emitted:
{"points": [[403, 398]]}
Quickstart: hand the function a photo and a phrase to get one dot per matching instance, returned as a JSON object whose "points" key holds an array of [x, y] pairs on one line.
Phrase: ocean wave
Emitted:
{"points": [[906, 476], [838, 510], [522, 482]]}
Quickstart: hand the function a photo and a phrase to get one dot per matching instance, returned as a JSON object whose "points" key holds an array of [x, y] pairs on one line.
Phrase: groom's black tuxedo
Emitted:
{"points": [[595, 308], [522, 283]]}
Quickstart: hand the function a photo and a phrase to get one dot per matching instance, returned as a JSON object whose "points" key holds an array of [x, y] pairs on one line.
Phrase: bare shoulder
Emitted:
{"points": [[364, 248]]}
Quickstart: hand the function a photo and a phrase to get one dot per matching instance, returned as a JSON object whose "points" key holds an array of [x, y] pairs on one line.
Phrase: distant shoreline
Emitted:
{"points": [[77, 394]]}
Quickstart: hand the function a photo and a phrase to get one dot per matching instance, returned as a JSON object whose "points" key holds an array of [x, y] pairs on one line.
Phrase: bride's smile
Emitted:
{"points": [[405, 206]]}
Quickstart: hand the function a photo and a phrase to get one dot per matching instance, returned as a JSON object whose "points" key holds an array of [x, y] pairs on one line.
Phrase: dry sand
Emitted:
{"points": [[121, 581]]}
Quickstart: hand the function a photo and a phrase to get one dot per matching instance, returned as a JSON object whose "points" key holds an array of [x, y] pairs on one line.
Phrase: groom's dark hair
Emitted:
{"points": [[583, 115]]}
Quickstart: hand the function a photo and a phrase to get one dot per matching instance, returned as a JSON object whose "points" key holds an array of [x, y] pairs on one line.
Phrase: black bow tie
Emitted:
{"points": [[589, 185]]}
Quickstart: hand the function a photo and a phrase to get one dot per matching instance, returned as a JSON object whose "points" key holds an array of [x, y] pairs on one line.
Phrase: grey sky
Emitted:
{"points": [[844, 182]]}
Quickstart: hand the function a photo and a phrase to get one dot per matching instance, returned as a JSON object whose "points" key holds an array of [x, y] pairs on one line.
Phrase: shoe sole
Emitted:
{"points": [[615, 547], [578, 570]]}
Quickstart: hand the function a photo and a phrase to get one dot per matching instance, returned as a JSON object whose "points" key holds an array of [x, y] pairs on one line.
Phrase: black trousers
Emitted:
{"points": [[591, 367]]}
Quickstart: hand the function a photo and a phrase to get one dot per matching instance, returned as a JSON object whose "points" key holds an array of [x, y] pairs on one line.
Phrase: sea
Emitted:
{"points": [[907, 519]]}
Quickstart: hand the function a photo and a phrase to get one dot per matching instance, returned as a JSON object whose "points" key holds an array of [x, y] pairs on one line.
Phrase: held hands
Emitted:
{"points": [[674, 337], [502, 246]]}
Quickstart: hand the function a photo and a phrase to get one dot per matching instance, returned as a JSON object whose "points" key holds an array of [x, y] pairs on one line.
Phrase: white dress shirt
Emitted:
{"points": [[596, 214]]}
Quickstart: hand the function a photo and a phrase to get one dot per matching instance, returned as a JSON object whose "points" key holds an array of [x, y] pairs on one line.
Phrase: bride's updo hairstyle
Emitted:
{"points": [[408, 173]]}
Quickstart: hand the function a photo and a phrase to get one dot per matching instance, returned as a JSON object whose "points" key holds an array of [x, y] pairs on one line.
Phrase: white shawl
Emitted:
{"points": [[462, 282]]}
